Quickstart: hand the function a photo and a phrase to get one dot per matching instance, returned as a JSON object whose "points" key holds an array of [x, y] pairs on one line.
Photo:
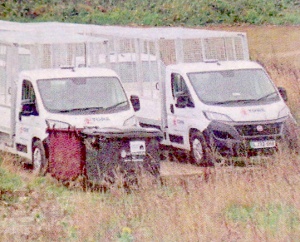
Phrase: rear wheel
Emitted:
{"points": [[39, 159], [200, 154]]}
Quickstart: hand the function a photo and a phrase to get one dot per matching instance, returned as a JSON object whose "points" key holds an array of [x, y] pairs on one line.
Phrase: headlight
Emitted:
{"points": [[132, 121], [216, 116], [57, 124], [284, 112]]}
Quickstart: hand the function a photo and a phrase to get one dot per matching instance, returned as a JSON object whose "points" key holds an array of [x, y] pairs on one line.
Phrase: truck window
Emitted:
{"points": [[28, 92], [179, 87], [28, 96]]}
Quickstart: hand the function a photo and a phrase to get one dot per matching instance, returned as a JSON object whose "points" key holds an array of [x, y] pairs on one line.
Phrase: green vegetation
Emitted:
{"points": [[154, 13], [9, 183]]}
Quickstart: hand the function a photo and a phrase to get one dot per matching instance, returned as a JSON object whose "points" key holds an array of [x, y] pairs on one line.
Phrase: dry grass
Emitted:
{"points": [[258, 203], [287, 76], [254, 203]]}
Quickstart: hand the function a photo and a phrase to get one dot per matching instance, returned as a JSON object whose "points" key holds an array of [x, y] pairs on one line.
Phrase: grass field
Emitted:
{"points": [[255, 203]]}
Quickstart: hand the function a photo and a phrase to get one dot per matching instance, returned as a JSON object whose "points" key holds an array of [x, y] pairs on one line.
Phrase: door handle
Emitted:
{"points": [[172, 108]]}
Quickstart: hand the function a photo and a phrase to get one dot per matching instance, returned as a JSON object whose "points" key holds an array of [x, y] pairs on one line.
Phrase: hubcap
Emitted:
{"points": [[37, 160], [198, 150]]}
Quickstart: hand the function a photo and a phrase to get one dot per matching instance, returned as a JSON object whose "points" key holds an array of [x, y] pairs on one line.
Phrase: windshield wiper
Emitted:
{"points": [[234, 101], [245, 100], [92, 109], [266, 96], [116, 105]]}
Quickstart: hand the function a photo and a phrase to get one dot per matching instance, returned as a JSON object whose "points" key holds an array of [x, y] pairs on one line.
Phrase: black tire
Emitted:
{"points": [[200, 153], [39, 159]]}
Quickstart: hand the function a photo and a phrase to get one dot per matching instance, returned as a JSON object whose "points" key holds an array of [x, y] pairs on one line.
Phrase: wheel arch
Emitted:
{"points": [[45, 144], [204, 132]]}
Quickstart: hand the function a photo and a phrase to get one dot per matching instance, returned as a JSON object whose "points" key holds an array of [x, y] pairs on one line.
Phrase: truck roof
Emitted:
{"points": [[45, 37], [150, 33], [215, 66], [155, 33], [68, 72]]}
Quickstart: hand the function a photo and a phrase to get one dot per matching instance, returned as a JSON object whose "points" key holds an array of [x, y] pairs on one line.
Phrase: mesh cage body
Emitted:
{"points": [[29, 50], [139, 55]]}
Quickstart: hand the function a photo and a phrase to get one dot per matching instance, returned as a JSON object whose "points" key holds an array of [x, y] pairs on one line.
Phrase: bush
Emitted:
{"points": [[154, 13]]}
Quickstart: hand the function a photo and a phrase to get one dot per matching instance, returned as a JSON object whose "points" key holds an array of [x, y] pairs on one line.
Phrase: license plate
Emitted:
{"points": [[262, 144], [138, 147]]}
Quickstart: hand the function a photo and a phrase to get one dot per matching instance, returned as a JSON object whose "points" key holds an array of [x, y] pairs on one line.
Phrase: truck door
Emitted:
{"points": [[27, 118], [180, 109]]}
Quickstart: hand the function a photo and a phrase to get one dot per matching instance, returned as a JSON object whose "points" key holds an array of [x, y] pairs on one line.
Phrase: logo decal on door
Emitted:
{"points": [[24, 130], [177, 121]]}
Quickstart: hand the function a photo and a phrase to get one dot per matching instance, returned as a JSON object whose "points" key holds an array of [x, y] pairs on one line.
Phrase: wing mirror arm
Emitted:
{"points": [[283, 93], [135, 101]]}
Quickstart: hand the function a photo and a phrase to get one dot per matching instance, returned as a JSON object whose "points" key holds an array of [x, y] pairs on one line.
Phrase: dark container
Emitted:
{"points": [[127, 151], [103, 154]]}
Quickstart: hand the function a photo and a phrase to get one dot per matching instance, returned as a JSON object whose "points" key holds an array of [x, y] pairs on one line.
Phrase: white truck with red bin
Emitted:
{"points": [[43, 95]]}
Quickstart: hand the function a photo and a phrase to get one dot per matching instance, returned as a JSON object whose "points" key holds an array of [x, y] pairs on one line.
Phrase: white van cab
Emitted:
{"points": [[231, 107]]}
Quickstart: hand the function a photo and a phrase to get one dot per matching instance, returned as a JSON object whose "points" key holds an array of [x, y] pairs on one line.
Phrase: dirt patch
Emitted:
{"points": [[179, 169]]}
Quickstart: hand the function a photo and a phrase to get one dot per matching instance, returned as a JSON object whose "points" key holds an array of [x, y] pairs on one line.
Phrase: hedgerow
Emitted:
{"points": [[155, 12]]}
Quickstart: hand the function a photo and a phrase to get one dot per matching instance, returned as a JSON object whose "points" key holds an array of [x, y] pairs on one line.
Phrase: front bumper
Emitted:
{"points": [[127, 151], [250, 138]]}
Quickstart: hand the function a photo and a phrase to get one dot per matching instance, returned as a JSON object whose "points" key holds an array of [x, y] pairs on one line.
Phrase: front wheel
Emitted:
{"points": [[200, 154], [39, 159]]}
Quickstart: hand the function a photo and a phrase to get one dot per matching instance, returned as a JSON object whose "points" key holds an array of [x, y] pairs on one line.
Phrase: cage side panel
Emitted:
{"points": [[3, 74], [241, 49], [192, 51], [167, 49]]}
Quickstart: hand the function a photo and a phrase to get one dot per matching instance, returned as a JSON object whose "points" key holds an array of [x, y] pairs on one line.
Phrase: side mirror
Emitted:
{"points": [[283, 93], [135, 101], [182, 100]]}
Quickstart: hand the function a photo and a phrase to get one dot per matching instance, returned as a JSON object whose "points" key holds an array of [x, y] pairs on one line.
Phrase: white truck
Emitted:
{"points": [[200, 88], [40, 89]]}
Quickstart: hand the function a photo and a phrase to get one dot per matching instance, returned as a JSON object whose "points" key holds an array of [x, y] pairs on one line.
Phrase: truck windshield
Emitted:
{"points": [[83, 95], [233, 87]]}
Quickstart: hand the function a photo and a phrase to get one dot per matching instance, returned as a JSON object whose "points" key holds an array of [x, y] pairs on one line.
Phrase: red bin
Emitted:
{"points": [[66, 154]]}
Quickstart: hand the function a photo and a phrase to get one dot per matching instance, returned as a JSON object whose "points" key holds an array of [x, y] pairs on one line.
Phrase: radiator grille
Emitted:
{"points": [[259, 129]]}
